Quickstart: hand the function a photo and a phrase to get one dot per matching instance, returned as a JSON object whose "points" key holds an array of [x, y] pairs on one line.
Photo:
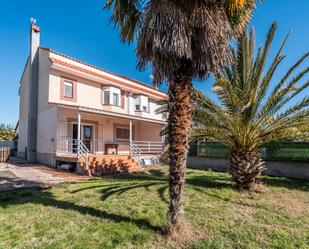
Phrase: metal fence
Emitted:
{"points": [[283, 151]]}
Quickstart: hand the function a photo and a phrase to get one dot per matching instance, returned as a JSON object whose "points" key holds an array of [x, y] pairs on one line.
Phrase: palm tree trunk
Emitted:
{"points": [[246, 167], [181, 99]]}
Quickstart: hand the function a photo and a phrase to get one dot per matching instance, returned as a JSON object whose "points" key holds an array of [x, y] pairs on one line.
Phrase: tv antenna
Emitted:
{"points": [[33, 20]]}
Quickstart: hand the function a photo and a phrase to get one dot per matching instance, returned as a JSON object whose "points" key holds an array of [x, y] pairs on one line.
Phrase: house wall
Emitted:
{"points": [[47, 135], [89, 94], [148, 132], [23, 111], [47, 115]]}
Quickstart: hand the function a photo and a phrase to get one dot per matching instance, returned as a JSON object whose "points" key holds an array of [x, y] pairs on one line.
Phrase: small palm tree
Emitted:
{"points": [[180, 40], [250, 112]]}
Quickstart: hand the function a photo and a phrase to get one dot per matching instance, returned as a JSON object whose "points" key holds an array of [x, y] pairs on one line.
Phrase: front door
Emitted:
{"points": [[86, 135]]}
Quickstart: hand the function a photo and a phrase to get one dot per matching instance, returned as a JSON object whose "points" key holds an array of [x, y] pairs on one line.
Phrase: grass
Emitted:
{"points": [[129, 211]]}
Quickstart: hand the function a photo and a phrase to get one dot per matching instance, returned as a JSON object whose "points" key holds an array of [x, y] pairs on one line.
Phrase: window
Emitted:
{"points": [[122, 133], [106, 98], [68, 89], [111, 96], [141, 103], [116, 99]]}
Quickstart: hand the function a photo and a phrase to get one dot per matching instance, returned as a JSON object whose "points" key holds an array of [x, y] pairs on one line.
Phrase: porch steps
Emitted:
{"points": [[99, 165]]}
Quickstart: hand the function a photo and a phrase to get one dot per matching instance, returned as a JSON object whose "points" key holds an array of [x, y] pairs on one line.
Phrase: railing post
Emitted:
{"points": [[78, 131]]}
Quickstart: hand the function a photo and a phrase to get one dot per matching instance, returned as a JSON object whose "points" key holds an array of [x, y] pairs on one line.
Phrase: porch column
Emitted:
{"points": [[78, 130], [131, 131], [130, 138]]}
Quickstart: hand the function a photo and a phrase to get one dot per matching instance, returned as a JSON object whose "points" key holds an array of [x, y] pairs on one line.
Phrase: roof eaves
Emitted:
{"points": [[103, 70]]}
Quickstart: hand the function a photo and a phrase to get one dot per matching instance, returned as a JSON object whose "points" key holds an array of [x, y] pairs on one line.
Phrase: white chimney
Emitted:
{"points": [[33, 92], [34, 38]]}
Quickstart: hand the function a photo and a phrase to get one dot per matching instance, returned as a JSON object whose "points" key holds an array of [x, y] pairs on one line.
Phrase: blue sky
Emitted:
{"points": [[80, 29]]}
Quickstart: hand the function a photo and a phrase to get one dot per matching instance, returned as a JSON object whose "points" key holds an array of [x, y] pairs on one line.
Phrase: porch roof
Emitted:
{"points": [[108, 113]]}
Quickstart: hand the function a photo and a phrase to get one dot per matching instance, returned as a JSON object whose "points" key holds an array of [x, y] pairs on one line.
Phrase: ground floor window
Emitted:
{"points": [[122, 133]]}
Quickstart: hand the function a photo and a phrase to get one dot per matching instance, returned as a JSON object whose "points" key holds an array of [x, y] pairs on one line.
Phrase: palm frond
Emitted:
{"points": [[245, 118]]}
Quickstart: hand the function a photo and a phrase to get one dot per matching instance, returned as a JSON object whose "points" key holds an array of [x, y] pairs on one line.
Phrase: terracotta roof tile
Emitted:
{"points": [[54, 60]]}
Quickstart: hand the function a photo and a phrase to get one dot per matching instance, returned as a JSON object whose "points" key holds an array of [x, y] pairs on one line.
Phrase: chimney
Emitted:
{"points": [[33, 91], [34, 38]]}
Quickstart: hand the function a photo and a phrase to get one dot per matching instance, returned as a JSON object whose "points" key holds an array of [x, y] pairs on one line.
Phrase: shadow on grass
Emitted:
{"points": [[199, 181], [289, 183], [45, 197]]}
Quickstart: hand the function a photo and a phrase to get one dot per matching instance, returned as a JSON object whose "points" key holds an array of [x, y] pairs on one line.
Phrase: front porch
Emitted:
{"points": [[90, 139]]}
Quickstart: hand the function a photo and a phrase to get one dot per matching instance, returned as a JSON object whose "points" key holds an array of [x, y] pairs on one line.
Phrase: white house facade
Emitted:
{"points": [[70, 109]]}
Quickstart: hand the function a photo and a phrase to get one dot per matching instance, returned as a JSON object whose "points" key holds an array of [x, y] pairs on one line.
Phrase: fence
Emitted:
{"points": [[4, 154], [283, 151]]}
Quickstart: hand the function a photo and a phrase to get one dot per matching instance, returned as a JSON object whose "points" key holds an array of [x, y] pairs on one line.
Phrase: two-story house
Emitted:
{"points": [[75, 112]]}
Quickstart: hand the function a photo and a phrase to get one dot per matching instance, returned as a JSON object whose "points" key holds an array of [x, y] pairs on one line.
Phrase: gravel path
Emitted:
{"points": [[18, 174]]}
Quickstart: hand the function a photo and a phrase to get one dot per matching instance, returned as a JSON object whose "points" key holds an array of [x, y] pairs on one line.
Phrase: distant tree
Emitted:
{"points": [[7, 133], [251, 112]]}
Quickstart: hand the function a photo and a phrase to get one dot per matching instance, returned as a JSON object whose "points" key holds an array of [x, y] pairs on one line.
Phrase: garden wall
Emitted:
{"points": [[292, 169]]}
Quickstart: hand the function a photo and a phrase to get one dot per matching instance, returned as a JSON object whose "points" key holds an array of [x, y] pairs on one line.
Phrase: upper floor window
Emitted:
{"points": [[68, 89], [141, 103], [111, 96], [115, 99], [106, 98]]}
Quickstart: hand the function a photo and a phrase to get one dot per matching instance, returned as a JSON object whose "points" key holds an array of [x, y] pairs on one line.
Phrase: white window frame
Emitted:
{"points": [[142, 102], [112, 91], [117, 102], [68, 84]]}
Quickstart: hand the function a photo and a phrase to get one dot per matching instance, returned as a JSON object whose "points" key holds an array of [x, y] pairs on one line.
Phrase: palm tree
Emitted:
{"points": [[251, 112], [181, 40]]}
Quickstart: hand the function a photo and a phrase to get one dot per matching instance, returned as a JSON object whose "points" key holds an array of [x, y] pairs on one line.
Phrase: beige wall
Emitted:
{"points": [[43, 87], [23, 111], [47, 136], [89, 94]]}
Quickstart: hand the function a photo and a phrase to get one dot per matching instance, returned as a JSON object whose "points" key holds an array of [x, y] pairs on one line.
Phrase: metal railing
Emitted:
{"points": [[67, 145], [83, 152], [73, 146], [135, 152], [96, 146], [149, 147]]}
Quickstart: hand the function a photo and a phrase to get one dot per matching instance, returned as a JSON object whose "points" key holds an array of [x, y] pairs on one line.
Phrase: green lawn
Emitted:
{"points": [[129, 211]]}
